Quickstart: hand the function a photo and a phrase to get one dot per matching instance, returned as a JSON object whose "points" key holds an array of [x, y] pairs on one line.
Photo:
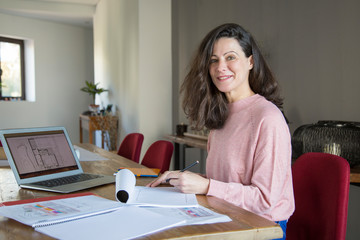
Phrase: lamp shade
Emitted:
{"points": [[340, 138]]}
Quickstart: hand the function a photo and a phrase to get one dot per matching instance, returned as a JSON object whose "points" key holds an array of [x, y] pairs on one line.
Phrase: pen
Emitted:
{"points": [[190, 166], [183, 170]]}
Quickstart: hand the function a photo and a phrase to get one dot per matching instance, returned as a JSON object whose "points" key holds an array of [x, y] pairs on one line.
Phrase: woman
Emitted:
{"points": [[231, 91]]}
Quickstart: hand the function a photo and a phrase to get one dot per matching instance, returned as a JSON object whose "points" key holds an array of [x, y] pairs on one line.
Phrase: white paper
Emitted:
{"points": [[85, 155], [162, 197], [193, 215], [125, 223]]}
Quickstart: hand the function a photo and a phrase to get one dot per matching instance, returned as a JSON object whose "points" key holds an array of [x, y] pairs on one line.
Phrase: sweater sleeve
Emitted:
{"points": [[269, 173]]}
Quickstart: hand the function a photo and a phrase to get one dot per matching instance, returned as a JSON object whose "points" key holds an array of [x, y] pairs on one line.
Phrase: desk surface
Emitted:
{"points": [[245, 225], [355, 175]]}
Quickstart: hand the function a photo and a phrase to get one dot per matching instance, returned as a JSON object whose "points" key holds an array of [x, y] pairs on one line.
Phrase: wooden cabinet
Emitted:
{"points": [[107, 124]]}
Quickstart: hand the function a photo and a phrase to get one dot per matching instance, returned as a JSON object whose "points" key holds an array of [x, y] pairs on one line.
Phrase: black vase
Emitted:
{"points": [[341, 138]]}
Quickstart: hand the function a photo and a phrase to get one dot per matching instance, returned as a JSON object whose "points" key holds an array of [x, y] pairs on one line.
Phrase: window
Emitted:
{"points": [[12, 69]]}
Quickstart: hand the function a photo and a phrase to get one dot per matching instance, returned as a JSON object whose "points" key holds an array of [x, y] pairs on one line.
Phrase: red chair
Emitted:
{"points": [[159, 155], [321, 188], [130, 147]]}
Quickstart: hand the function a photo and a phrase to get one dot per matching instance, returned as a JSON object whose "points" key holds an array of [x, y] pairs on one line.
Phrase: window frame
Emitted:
{"points": [[21, 43]]}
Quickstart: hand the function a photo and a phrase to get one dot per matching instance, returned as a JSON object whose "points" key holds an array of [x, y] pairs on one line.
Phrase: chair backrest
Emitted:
{"points": [[159, 155], [130, 147], [321, 189]]}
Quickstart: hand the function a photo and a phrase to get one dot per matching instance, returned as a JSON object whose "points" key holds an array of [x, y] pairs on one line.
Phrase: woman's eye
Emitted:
{"points": [[213, 60], [230, 58]]}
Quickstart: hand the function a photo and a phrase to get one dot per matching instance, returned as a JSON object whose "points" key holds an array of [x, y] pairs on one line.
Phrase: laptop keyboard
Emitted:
{"points": [[67, 180]]}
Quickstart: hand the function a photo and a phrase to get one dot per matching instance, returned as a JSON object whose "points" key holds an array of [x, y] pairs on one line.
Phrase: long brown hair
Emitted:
{"points": [[203, 103]]}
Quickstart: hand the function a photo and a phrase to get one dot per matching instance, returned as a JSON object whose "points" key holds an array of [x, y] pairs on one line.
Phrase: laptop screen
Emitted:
{"points": [[40, 153]]}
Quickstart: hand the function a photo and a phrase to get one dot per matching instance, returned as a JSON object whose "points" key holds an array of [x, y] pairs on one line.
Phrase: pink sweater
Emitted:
{"points": [[249, 159]]}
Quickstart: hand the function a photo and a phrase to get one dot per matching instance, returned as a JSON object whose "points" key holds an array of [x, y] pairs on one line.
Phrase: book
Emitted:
{"points": [[143, 172], [126, 192], [42, 199], [46, 212], [87, 216], [126, 223]]}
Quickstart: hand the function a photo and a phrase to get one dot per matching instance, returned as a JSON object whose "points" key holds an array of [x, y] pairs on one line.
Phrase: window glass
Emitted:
{"points": [[12, 69]]}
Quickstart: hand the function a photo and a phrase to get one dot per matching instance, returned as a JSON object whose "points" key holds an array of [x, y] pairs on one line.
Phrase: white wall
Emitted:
{"points": [[132, 51], [116, 59], [155, 69], [63, 61], [312, 47]]}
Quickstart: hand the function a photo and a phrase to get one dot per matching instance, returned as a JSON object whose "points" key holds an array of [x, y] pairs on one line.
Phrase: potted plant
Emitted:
{"points": [[92, 89]]}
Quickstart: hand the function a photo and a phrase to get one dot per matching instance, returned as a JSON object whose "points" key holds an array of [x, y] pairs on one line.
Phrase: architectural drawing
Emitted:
{"points": [[42, 153]]}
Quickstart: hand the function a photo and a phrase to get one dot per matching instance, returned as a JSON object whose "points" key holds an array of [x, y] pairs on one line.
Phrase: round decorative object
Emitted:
{"points": [[340, 138], [181, 129]]}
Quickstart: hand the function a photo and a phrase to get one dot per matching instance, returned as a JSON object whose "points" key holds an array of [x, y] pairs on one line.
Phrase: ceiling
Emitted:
{"points": [[76, 12]]}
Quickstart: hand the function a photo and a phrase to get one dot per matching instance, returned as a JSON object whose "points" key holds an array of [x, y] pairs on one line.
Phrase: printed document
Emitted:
{"points": [[161, 197]]}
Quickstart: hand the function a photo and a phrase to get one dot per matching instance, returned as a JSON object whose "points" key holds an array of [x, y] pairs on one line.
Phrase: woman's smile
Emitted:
{"points": [[224, 78]]}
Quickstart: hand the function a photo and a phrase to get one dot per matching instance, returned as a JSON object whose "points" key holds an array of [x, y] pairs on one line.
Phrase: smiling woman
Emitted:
{"points": [[237, 54], [231, 91]]}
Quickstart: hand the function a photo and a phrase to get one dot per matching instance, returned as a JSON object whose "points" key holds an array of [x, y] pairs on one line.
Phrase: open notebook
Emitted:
{"points": [[44, 159]]}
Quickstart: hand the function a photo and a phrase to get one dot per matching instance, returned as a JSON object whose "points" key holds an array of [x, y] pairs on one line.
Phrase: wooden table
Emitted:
{"points": [[355, 175], [245, 225], [102, 123]]}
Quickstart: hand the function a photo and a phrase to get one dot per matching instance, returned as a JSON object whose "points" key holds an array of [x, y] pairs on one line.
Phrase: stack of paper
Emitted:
{"points": [[88, 216], [125, 223]]}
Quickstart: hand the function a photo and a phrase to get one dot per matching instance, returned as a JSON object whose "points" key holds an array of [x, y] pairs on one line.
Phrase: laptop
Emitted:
{"points": [[44, 159]]}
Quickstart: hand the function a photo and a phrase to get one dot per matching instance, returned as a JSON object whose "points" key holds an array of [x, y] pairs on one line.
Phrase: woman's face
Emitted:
{"points": [[229, 69]]}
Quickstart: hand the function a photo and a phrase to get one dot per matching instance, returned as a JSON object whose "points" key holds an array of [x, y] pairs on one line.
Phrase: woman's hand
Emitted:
{"points": [[162, 179], [187, 182]]}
